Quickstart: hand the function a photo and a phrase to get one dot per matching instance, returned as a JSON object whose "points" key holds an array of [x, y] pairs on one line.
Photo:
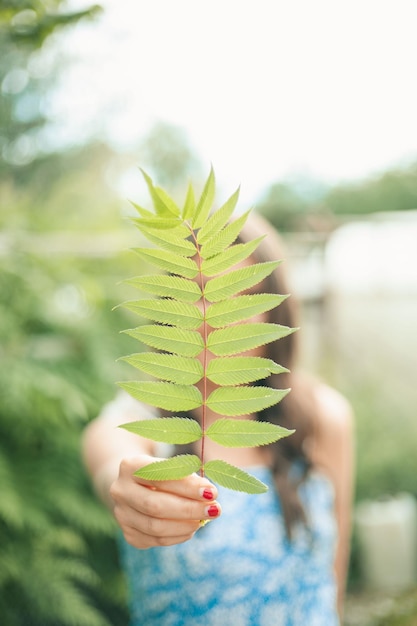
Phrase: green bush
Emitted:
{"points": [[58, 345]]}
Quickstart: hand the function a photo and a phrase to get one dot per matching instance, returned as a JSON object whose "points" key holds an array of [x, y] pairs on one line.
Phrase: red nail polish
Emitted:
{"points": [[213, 510], [208, 494]]}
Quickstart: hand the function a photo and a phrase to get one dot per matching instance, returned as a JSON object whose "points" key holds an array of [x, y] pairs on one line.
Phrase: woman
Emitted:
{"points": [[276, 559]]}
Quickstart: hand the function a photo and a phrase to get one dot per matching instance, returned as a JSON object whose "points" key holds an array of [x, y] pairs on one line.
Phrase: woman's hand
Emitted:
{"points": [[160, 513]]}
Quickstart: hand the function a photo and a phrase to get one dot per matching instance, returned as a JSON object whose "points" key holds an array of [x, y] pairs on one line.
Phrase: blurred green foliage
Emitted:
{"points": [[394, 190], [369, 353], [305, 205], [62, 255], [291, 206], [404, 611], [25, 73], [168, 155], [58, 559], [30, 22], [58, 347]]}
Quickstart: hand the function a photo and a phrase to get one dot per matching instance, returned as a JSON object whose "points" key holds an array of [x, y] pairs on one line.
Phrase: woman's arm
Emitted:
{"points": [[334, 453], [105, 445], [149, 513]]}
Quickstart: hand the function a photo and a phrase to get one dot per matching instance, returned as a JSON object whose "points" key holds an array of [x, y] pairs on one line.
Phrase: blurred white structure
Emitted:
{"points": [[376, 256], [387, 536]]}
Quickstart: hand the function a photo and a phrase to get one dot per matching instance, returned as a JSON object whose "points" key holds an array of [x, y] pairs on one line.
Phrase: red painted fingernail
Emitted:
{"points": [[212, 510], [208, 494]]}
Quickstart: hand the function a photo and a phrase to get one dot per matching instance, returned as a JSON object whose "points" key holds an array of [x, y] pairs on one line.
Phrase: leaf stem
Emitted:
{"points": [[205, 335]]}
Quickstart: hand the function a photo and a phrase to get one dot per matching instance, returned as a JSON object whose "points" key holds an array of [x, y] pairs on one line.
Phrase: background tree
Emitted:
{"points": [[57, 555], [168, 155], [303, 205], [25, 27], [292, 205], [393, 190]]}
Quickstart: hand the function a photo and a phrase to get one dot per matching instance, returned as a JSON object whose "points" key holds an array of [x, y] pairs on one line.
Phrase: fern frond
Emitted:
{"points": [[11, 505]]}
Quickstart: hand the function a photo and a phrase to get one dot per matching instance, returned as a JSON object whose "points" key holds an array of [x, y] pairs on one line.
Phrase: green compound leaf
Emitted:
{"points": [[232, 477], [168, 311], [170, 367], [168, 396], [228, 285], [206, 200], [243, 400], [170, 469], [170, 339], [200, 246], [218, 220], [236, 339], [229, 371], [241, 308], [169, 261], [235, 433], [223, 239], [167, 286], [230, 257], [175, 430], [170, 240]]}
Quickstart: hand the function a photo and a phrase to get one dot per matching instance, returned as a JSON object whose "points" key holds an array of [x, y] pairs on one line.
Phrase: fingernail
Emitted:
{"points": [[207, 494], [213, 510]]}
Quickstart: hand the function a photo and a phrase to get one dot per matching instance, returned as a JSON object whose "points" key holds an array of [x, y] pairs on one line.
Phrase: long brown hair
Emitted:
{"points": [[298, 409]]}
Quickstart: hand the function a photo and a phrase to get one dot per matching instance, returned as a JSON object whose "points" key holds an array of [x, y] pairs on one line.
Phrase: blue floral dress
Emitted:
{"points": [[241, 570]]}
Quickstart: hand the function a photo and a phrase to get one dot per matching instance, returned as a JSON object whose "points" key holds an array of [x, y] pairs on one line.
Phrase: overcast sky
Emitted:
{"points": [[265, 89]]}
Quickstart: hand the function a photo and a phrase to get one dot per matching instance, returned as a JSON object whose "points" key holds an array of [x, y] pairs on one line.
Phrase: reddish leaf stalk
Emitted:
{"points": [[205, 335]]}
